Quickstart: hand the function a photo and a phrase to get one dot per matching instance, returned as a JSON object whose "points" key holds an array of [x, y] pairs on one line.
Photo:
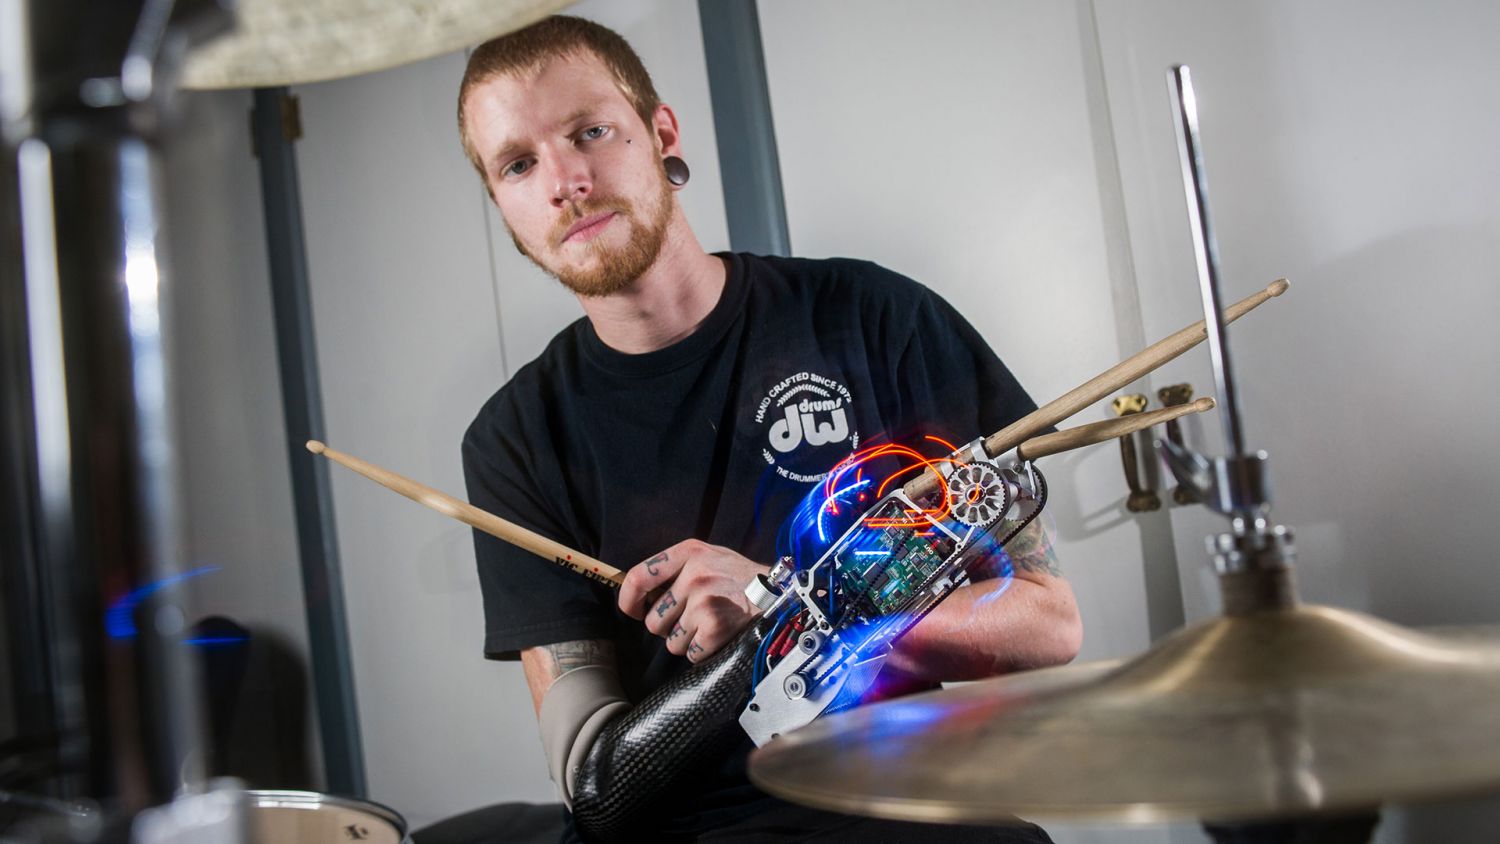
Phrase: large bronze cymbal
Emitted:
{"points": [[1270, 714], [286, 42]]}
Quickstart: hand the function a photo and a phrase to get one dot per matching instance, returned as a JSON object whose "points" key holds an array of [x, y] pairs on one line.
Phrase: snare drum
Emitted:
{"points": [[306, 817]]}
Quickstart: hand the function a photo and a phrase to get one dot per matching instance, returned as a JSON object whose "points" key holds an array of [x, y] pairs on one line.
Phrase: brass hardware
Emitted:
{"points": [[1173, 396], [1141, 499]]}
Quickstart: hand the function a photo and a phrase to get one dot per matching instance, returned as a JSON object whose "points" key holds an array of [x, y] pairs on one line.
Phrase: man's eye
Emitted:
{"points": [[594, 133], [518, 167]]}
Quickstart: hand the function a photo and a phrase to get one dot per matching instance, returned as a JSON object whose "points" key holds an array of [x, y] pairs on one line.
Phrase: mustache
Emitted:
{"points": [[586, 208]]}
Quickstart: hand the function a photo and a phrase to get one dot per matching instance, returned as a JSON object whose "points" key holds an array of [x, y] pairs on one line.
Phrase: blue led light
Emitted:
{"points": [[215, 641], [119, 618]]}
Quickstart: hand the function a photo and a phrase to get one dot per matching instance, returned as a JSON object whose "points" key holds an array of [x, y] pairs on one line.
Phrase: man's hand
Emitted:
{"points": [[692, 595]]}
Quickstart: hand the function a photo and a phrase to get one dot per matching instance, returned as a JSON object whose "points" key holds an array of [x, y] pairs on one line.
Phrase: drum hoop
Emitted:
{"points": [[277, 799]]}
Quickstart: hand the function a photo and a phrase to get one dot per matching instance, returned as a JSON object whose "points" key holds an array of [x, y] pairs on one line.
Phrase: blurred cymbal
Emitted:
{"points": [[287, 42], [1272, 714]]}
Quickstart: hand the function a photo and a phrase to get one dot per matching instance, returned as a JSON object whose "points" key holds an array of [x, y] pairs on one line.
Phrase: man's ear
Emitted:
{"points": [[664, 128]]}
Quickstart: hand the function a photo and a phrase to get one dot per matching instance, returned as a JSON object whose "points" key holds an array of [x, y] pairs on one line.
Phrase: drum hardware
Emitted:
{"points": [[1142, 498], [1274, 721], [1172, 396]]}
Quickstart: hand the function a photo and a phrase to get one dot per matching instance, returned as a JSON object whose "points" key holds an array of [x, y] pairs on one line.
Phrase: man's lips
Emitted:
{"points": [[589, 227]]}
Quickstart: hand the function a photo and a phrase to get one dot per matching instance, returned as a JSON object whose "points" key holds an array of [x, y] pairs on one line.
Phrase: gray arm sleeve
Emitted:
{"points": [[574, 712]]}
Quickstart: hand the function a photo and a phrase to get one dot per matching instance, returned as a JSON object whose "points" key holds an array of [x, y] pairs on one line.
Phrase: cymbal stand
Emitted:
{"points": [[1254, 559], [84, 90]]}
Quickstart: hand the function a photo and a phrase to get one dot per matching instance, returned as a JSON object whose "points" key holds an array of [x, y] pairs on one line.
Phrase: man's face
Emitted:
{"points": [[574, 172]]}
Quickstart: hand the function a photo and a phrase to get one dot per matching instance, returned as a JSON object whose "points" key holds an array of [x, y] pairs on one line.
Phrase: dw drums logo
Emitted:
{"points": [[804, 412]]}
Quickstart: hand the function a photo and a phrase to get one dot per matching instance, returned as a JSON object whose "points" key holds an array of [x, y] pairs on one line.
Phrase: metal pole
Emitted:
{"points": [[105, 454], [274, 124], [748, 163], [1205, 251]]}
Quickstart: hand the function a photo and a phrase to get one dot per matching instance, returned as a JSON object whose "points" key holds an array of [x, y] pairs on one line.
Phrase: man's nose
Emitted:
{"points": [[571, 180]]}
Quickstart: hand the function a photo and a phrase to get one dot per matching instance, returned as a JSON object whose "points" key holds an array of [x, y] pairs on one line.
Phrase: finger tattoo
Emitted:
{"points": [[695, 649], [676, 631], [667, 603], [652, 563]]}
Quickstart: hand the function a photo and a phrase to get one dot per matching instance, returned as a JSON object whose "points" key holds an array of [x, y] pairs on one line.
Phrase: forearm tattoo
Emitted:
{"points": [[1031, 551], [562, 657]]}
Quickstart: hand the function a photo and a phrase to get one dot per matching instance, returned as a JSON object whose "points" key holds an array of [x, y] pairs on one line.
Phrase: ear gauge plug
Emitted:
{"points": [[677, 170]]}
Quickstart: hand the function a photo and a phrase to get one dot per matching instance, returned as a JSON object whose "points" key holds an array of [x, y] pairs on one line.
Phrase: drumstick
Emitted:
{"points": [[477, 518], [1109, 429], [1103, 384]]}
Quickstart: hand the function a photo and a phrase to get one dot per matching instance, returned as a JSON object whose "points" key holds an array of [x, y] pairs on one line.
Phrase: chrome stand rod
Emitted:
{"points": [[1205, 251]]}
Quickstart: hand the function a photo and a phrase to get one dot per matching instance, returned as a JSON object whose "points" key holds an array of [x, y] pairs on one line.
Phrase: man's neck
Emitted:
{"points": [[667, 303]]}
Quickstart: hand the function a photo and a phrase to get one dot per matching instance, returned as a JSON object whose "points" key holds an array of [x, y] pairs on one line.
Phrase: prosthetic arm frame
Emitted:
{"points": [[837, 620], [852, 610]]}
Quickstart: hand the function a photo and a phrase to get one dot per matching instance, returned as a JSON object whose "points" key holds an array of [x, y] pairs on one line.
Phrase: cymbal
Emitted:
{"points": [[286, 42], [1271, 714]]}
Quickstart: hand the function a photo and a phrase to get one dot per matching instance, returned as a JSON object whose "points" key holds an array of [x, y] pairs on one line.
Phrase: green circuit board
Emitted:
{"points": [[882, 569]]}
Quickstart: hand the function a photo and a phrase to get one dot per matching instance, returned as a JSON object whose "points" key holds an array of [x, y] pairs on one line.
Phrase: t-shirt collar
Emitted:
{"points": [[689, 348]]}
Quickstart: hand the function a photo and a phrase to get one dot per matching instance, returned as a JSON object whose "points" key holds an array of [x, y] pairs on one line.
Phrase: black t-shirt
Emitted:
{"points": [[717, 437]]}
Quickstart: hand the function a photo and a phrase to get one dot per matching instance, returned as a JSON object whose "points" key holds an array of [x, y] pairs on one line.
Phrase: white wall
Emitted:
{"points": [[422, 309]]}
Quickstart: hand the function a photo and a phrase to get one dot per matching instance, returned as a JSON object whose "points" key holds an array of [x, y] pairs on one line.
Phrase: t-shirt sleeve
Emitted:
{"points": [[528, 601], [950, 382]]}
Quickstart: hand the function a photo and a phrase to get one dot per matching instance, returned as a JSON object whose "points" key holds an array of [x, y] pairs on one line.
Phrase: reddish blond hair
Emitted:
{"points": [[527, 51]]}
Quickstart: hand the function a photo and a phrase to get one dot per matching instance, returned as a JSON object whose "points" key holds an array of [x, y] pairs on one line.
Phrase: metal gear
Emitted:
{"points": [[977, 495]]}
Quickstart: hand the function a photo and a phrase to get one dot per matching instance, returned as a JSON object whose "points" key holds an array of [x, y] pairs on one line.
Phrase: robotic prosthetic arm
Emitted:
{"points": [[824, 636], [836, 620]]}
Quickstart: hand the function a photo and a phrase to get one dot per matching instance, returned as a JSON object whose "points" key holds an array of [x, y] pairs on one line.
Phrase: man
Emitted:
{"points": [[691, 411]]}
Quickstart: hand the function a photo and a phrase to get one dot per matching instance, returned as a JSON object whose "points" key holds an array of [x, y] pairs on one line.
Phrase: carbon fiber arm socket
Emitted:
{"points": [[652, 753]]}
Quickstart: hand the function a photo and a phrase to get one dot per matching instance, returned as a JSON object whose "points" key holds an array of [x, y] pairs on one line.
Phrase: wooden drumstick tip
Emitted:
{"points": [[1278, 287], [1206, 403], [316, 447]]}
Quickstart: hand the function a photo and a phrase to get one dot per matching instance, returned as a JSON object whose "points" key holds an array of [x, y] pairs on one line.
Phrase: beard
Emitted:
{"points": [[616, 268]]}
